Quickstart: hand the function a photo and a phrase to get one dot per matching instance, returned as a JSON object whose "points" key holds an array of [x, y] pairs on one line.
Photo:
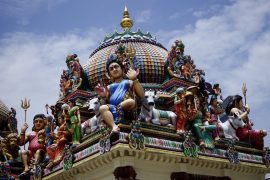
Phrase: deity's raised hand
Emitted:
{"points": [[24, 127], [132, 74], [101, 90]]}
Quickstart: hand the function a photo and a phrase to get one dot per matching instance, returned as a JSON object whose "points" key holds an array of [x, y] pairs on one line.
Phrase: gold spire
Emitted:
{"points": [[126, 22]]}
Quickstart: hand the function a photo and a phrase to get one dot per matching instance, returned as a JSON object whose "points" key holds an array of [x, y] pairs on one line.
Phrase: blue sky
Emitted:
{"points": [[230, 40]]}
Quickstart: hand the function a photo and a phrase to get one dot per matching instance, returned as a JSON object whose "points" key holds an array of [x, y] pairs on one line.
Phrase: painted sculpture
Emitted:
{"points": [[150, 114], [119, 95], [247, 133], [10, 146], [73, 78], [36, 139], [74, 117], [12, 121], [56, 151], [94, 122]]}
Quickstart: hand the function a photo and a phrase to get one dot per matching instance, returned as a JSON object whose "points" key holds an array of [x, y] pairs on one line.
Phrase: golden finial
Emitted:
{"points": [[126, 22]]}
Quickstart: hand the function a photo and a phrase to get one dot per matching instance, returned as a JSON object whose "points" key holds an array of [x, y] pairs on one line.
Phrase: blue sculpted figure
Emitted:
{"points": [[119, 95]]}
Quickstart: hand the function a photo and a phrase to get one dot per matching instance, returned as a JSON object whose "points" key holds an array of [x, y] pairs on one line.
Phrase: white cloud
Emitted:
{"points": [[143, 16], [210, 10], [232, 46], [31, 65], [175, 15]]}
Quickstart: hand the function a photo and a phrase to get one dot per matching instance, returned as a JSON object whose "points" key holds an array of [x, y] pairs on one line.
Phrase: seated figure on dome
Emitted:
{"points": [[175, 60], [119, 95], [126, 55], [186, 67], [247, 134], [36, 139], [74, 77]]}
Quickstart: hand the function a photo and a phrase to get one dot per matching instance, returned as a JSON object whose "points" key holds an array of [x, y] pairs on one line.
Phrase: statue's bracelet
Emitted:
{"points": [[136, 80]]}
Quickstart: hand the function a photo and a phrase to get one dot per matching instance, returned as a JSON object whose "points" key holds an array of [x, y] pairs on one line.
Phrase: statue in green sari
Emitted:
{"points": [[197, 114], [74, 115]]}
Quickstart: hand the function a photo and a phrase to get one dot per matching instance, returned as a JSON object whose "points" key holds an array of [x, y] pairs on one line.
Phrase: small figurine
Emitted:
{"points": [[180, 109], [217, 92], [12, 121], [49, 128]]}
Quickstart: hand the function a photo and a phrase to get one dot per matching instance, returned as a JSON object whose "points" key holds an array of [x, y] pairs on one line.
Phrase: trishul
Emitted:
{"points": [[244, 90], [25, 105]]}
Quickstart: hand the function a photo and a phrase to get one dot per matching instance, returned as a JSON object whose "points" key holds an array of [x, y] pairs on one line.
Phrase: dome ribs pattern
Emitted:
{"points": [[150, 57]]}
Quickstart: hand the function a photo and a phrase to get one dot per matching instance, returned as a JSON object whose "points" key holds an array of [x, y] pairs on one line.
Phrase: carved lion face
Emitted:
{"points": [[13, 142]]}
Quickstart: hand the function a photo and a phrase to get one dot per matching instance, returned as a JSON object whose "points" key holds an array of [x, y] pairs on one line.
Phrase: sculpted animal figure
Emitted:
{"points": [[10, 146], [150, 114], [230, 126], [95, 122]]}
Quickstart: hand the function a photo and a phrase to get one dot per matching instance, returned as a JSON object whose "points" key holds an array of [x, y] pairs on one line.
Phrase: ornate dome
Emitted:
{"points": [[150, 54], [3, 111]]}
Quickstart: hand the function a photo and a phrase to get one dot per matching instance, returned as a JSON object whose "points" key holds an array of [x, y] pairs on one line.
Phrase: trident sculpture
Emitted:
{"points": [[244, 90], [25, 105]]}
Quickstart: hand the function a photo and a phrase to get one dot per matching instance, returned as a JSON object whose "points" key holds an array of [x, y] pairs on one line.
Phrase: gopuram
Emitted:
{"points": [[135, 110]]}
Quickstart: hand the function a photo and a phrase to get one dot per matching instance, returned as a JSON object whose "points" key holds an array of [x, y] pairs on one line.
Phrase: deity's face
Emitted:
{"points": [[60, 120], [70, 104], [115, 70], [214, 102], [178, 51], [39, 124], [240, 104]]}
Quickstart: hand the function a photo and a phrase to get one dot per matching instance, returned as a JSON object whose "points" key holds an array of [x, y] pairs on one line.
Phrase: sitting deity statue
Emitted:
{"points": [[175, 60], [74, 77], [56, 150], [186, 67], [10, 146], [126, 55], [36, 139], [247, 134], [118, 95], [65, 84]]}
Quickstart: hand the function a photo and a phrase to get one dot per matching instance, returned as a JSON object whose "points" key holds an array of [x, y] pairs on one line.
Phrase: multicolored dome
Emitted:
{"points": [[3, 111], [150, 54]]}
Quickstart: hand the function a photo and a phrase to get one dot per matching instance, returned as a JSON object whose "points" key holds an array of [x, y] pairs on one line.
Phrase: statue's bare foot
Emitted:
{"points": [[115, 129], [25, 172], [50, 165]]}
